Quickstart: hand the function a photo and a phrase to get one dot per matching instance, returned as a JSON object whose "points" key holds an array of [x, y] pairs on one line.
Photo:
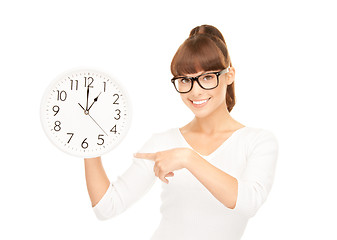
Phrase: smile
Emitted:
{"points": [[200, 103]]}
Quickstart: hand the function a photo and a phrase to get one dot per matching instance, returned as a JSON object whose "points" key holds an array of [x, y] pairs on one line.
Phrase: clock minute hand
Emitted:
{"points": [[95, 100]]}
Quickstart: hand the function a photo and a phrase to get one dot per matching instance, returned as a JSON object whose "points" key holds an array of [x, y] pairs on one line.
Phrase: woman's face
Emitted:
{"points": [[204, 102]]}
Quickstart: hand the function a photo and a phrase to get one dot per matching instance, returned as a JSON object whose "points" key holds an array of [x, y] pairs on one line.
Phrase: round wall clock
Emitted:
{"points": [[85, 113]]}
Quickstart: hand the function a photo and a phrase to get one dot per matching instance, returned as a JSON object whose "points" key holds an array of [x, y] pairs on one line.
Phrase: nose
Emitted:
{"points": [[196, 89]]}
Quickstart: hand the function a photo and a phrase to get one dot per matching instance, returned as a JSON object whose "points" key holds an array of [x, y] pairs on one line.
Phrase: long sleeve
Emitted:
{"points": [[188, 210], [256, 181], [129, 187]]}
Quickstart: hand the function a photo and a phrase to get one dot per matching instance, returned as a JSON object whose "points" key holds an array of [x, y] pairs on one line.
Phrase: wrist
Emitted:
{"points": [[94, 159], [192, 156]]}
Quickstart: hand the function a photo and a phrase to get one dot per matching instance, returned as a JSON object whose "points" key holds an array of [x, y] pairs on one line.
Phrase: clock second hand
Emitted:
{"points": [[87, 113], [97, 124]]}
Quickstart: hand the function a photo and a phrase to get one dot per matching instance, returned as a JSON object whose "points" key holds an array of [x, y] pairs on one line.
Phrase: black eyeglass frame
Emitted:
{"points": [[226, 70]]}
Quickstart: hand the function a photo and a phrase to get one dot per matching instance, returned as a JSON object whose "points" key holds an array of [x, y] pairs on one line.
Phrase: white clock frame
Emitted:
{"points": [[83, 126]]}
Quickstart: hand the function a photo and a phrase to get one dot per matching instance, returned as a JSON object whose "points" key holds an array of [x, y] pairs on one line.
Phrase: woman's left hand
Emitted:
{"points": [[168, 161]]}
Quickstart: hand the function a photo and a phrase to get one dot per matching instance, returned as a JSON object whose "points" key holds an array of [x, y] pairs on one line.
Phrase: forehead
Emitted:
{"points": [[197, 74]]}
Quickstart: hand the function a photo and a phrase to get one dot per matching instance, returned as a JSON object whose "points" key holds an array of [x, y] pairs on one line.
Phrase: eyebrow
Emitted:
{"points": [[205, 72]]}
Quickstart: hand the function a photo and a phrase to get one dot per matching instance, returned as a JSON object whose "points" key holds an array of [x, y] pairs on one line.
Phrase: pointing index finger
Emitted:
{"points": [[149, 156]]}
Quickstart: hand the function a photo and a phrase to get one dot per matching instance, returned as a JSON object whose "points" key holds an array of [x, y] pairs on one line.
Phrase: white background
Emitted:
{"points": [[284, 53]]}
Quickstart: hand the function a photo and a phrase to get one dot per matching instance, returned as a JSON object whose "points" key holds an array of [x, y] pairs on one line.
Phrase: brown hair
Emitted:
{"points": [[204, 50]]}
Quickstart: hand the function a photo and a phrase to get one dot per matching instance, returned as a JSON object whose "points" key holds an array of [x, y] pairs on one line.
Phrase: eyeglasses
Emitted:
{"points": [[206, 81]]}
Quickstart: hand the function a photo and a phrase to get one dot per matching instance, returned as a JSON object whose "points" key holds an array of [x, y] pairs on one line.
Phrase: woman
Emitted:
{"points": [[220, 170]]}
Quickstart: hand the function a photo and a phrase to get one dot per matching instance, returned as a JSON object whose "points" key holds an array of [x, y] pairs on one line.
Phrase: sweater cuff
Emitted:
{"points": [[105, 204], [243, 206]]}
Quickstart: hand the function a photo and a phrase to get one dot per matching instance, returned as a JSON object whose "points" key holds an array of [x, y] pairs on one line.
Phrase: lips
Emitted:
{"points": [[200, 102]]}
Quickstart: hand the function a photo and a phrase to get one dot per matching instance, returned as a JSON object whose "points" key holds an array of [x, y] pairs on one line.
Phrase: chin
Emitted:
{"points": [[207, 110], [202, 113]]}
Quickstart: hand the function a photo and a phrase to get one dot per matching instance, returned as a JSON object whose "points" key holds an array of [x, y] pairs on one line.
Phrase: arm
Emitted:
{"points": [[111, 199], [96, 179], [220, 184], [248, 192], [223, 186], [244, 194]]}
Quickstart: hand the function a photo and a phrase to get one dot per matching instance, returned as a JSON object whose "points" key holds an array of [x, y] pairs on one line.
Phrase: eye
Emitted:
{"points": [[184, 80], [208, 77]]}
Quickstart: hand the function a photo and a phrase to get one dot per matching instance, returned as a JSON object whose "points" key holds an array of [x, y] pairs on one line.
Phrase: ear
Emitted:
{"points": [[230, 76]]}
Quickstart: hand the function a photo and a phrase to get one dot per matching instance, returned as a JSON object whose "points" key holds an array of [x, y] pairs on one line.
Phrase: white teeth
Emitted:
{"points": [[200, 102]]}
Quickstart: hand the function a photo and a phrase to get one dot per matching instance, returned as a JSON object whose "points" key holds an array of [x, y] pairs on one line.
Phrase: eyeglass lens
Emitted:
{"points": [[207, 81]]}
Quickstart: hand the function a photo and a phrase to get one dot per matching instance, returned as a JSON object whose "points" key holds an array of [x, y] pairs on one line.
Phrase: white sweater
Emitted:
{"points": [[189, 210]]}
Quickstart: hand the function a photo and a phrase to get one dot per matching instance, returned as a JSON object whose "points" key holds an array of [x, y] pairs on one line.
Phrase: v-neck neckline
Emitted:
{"points": [[209, 156]]}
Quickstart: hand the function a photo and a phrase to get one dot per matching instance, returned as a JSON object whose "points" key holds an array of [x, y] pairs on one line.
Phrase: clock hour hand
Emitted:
{"points": [[81, 106], [95, 100]]}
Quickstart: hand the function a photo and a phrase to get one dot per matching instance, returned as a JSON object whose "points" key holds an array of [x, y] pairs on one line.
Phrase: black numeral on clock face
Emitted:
{"points": [[114, 129], [101, 139], [56, 109], [72, 134], [117, 97], [89, 81], [84, 144], [57, 126], [72, 84], [118, 114], [61, 95]]}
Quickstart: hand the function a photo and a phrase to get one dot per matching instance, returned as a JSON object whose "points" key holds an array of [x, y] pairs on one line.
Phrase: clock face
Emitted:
{"points": [[85, 113]]}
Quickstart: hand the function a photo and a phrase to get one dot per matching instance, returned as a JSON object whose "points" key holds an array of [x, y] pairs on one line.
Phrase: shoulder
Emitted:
{"points": [[254, 133], [260, 140]]}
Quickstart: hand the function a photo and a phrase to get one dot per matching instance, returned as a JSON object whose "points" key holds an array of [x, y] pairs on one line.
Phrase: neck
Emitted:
{"points": [[219, 121]]}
